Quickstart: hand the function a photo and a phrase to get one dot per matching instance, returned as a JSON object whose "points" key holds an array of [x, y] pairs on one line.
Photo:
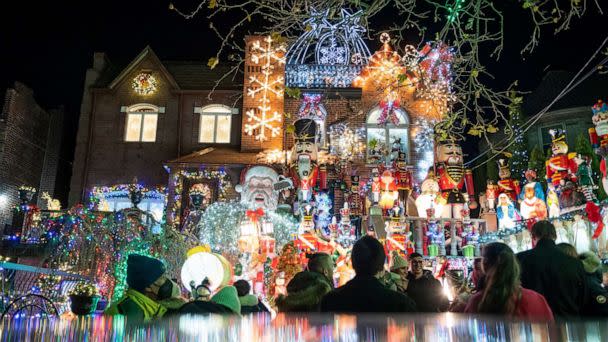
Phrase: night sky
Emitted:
{"points": [[49, 45]]}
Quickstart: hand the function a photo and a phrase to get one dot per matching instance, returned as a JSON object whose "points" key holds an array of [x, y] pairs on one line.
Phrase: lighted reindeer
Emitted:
{"points": [[51, 203]]}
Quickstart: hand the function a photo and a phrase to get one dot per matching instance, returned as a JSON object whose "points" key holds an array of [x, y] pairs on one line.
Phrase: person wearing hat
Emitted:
{"points": [[597, 301], [399, 267], [145, 278], [304, 293], [228, 297]]}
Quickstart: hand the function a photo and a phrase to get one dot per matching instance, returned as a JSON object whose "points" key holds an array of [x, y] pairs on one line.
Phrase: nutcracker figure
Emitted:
{"points": [[599, 137], [491, 195], [375, 186], [560, 166], [354, 197], [403, 177], [397, 236], [506, 184], [304, 167], [346, 231], [452, 178]]}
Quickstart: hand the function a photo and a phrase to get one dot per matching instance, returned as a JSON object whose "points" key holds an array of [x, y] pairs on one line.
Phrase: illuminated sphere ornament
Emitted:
{"points": [[200, 265], [144, 84], [385, 38]]}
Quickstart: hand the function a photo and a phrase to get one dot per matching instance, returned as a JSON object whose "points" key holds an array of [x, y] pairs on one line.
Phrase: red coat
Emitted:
{"points": [[531, 306], [454, 180], [403, 179], [509, 187], [308, 183], [561, 167]]}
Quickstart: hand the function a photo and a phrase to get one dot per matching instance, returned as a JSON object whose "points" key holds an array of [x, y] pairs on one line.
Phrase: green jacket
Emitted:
{"points": [[135, 305]]}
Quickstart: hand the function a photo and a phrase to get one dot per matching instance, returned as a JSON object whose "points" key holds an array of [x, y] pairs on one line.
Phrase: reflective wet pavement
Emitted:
{"points": [[440, 327]]}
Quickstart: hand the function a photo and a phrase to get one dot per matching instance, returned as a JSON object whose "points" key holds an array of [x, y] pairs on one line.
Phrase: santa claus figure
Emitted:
{"points": [[453, 179], [257, 188], [532, 207], [560, 166], [599, 137], [388, 190], [506, 212], [506, 184], [305, 170]]}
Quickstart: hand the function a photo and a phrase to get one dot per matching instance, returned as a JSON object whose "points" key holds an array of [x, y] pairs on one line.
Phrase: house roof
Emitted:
{"points": [[196, 75], [218, 156], [184, 75], [585, 94]]}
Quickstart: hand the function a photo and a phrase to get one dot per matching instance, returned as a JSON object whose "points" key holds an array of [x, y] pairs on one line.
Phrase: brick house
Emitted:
{"points": [[30, 145], [197, 126]]}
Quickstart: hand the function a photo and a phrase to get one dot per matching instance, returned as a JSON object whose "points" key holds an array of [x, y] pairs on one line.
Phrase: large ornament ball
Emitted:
{"points": [[199, 266]]}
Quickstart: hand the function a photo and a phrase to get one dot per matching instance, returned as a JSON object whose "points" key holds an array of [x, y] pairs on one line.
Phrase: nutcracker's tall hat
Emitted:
{"points": [[503, 163], [557, 135], [305, 130]]}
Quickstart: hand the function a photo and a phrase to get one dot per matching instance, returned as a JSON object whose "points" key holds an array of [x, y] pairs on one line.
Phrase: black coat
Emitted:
{"points": [[366, 294], [560, 278], [427, 293], [200, 307], [597, 302]]}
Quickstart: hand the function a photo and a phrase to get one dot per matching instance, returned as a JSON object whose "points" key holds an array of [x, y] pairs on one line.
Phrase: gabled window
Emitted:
{"points": [[215, 124], [141, 122]]}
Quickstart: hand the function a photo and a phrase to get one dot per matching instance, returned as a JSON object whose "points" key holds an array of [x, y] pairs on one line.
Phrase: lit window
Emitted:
{"points": [[142, 121], [386, 140], [215, 123]]}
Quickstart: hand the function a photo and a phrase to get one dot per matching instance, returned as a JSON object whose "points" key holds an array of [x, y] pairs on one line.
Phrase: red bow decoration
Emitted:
{"points": [[593, 214], [311, 107], [389, 112], [254, 215]]}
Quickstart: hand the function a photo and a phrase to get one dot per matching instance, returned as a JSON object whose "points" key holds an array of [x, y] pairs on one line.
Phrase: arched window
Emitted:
{"points": [[386, 140], [215, 123], [141, 123], [312, 107]]}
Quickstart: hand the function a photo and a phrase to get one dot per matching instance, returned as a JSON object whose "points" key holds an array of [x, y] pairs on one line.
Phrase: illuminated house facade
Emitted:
{"points": [[171, 125]]}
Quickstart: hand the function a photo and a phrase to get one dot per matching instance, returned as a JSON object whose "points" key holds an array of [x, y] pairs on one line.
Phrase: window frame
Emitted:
{"points": [[216, 111], [142, 110], [387, 127]]}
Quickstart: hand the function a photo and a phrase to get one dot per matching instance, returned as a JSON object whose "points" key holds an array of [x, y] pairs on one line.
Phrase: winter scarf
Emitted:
{"points": [[150, 308]]}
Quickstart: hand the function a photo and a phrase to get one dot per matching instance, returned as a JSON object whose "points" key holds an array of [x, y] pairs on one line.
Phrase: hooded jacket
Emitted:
{"points": [[251, 304], [304, 293]]}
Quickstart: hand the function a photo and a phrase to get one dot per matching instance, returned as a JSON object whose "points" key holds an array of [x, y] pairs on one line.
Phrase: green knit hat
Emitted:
{"points": [[229, 298], [397, 261], [143, 271]]}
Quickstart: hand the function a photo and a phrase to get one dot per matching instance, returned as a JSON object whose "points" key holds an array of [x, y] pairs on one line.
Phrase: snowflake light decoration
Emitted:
{"points": [[145, 84], [263, 118]]}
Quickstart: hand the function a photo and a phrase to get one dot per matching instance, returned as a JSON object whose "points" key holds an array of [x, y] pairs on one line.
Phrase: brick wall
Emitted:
{"points": [[24, 128], [275, 102]]}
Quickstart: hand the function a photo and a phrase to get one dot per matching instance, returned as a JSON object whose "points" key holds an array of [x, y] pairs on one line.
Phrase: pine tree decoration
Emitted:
{"points": [[583, 147], [519, 149], [537, 163], [288, 264]]}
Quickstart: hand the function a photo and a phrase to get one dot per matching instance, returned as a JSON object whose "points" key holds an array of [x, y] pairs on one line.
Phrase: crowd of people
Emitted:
{"points": [[545, 282]]}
